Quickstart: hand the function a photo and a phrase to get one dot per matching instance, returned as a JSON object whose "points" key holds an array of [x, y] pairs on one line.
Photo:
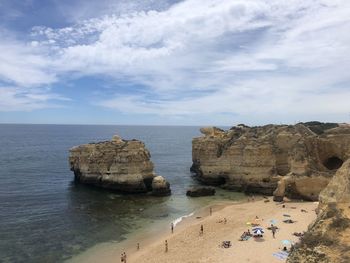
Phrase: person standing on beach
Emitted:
{"points": [[210, 211], [172, 227], [166, 246], [138, 246], [273, 229], [202, 230]]}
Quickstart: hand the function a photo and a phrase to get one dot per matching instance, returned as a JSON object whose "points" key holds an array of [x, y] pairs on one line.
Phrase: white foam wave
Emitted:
{"points": [[178, 220]]}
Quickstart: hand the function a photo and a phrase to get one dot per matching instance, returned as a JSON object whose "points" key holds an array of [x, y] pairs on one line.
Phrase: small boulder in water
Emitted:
{"points": [[200, 191], [160, 187]]}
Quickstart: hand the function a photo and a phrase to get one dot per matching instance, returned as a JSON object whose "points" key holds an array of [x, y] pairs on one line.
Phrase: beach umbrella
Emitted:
{"points": [[286, 242], [258, 231]]}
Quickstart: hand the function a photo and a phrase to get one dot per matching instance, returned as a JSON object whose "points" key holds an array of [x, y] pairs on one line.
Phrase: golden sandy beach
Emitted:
{"points": [[187, 245]]}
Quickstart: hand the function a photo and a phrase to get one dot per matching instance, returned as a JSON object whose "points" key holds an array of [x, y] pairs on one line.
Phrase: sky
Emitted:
{"points": [[190, 62]]}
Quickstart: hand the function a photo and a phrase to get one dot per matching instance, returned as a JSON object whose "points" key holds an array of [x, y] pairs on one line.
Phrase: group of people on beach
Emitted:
{"points": [[222, 220], [123, 257], [245, 236], [251, 198], [166, 245]]}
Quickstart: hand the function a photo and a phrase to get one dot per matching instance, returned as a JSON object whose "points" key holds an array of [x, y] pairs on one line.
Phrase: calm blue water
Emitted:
{"points": [[45, 217]]}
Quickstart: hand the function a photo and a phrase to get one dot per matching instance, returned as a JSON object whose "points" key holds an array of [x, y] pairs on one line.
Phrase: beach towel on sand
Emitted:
{"points": [[245, 238], [282, 255]]}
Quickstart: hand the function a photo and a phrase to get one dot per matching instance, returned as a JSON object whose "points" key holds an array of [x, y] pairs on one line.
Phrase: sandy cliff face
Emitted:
{"points": [[338, 189], [293, 160], [328, 238], [117, 164]]}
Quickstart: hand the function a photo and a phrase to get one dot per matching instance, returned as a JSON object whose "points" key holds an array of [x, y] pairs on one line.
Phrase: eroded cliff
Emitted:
{"points": [[328, 238], [117, 164], [288, 160]]}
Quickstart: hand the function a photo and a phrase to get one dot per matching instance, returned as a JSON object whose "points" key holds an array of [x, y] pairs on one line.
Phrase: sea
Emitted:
{"points": [[46, 217]]}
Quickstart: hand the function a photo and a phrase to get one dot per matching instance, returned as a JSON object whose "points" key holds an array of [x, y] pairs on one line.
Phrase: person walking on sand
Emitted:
{"points": [[273, 229], [172, 227], [210, 211], [124, 257], [202, 230], [138, 246], [166, 246]]}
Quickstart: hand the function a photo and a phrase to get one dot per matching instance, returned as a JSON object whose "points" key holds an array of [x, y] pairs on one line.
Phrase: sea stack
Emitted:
{"points": [[296, 161], [122, 165]]}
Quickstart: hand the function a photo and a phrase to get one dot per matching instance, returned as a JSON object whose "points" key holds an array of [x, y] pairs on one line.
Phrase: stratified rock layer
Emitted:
{"points": [[288, 160], [117, 164], [328, 238]]}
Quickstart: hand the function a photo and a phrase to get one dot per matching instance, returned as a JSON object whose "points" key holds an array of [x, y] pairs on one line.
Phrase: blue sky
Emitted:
{"points": [[190, 62]]}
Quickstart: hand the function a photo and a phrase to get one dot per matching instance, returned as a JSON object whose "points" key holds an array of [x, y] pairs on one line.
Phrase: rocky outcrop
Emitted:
{"points": [[160, 187], [338, 189], [118, 165], [200, 191], [328, 238], [296, 161]]}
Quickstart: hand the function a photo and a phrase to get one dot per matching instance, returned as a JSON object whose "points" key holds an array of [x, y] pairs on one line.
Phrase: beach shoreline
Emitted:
{"points": [[187, 245], [109, 251]]}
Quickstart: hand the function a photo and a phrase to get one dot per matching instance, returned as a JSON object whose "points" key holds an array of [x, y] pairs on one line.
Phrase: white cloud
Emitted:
{"points": [[19, 99], [25, 76], [22, 65], [198, 57]]}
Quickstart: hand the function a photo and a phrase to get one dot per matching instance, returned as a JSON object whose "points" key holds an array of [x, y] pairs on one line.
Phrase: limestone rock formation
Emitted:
{"points": [[200, 191], [117, 164], [212, 131], [338, 189], [328, 238], [288, 160], [160, 187]]}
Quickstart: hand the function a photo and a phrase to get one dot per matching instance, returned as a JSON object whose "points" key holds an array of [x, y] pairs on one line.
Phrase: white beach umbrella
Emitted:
{"points": [[258, 231]]}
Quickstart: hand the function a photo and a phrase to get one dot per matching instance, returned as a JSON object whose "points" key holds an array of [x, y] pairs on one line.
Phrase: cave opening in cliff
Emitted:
{"points": [[333, 163]]}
